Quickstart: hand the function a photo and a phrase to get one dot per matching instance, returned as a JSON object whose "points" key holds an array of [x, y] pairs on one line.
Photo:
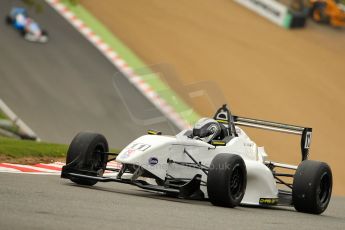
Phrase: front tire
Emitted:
{"points": [[44, 32], [312, 187], [86, 153], [227, 180]]}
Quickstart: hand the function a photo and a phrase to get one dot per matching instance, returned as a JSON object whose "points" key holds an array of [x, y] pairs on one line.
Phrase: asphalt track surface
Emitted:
{"points": [[48, 202], [66, 85]]}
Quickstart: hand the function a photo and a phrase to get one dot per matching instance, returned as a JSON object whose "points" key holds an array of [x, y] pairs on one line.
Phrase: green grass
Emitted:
{"points": [[23, 148], [2, 115], [12, 129], [31, 152]]}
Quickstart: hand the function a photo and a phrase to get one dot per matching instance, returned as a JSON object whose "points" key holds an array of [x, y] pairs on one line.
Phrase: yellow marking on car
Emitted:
{"points": [[153, 132], [223, 121], [222, 143], [268, 201]]}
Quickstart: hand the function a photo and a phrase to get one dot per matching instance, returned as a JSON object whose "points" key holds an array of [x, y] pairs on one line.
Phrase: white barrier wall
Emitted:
{"points": [[23, 128], [270, 9]]}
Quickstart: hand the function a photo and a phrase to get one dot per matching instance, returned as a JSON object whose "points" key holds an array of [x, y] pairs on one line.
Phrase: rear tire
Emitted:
{"points": [[227, 180], [312, 187], [8, 20], [85, 152]]}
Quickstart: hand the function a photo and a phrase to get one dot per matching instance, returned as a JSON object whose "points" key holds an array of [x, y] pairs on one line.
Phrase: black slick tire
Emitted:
{"points": [[312, 187], [227, 180]]}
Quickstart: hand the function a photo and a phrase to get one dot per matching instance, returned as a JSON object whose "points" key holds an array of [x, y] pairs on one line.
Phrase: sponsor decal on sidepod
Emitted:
{"points": [[153, 161]]}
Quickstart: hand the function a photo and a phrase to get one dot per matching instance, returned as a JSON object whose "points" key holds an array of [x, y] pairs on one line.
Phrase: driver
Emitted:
{"points": [[20, 21], [206, 129]]}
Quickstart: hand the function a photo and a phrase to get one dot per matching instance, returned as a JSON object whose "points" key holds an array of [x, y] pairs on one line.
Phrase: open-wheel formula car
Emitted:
{"points": [[215, 160], [27, 27]]}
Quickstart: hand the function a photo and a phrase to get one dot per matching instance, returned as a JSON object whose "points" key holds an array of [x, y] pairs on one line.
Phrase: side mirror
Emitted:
{"points": [[154, 132], [218, 143]]}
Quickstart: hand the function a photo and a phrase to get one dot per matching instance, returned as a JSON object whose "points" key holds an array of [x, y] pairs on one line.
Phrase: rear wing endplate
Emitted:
{"points": [[304, 132]]}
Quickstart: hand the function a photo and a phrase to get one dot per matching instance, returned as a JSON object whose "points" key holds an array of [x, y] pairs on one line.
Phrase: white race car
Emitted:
{"points": [[215, 160], [27, 27]]}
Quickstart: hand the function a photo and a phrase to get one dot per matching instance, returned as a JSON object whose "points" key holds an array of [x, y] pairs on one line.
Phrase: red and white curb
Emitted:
{"points": [[120, 64], [52, 168]]}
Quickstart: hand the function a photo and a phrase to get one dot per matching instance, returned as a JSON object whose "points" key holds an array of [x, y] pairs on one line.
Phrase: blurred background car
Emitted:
{"points": [[27, 27], [328, 12]]}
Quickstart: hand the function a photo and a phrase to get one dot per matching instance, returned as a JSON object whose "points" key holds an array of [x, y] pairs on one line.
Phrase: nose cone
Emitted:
{"points": [[142, 146]]}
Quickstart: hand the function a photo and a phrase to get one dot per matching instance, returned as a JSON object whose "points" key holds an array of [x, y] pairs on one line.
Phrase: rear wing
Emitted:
{"points": [[224, 116], [304, 132]]}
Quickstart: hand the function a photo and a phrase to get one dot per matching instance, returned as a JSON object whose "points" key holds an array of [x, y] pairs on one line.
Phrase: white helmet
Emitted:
{"points": [[206, 129]]}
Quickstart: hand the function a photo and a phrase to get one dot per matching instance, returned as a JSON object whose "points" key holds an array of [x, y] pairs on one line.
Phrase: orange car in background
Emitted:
{"points": [[328, 11]]}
